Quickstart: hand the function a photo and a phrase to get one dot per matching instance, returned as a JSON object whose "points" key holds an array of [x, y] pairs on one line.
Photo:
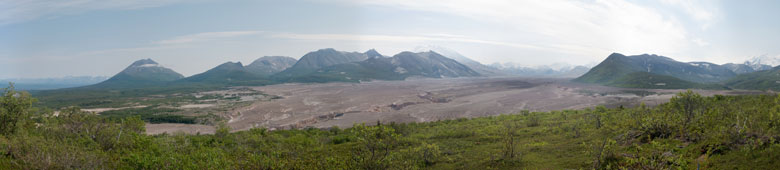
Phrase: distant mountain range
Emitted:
{"points": [[329, 65], [653, 71], [52, 83], [555, 70], [324, 65], [399, 67]]}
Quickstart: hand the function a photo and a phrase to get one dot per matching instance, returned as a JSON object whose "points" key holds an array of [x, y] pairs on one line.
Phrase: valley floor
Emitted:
{"points": [[345, 104]]}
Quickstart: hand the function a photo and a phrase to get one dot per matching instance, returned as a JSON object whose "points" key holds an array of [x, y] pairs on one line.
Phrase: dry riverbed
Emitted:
{"points": [[344, 104]]}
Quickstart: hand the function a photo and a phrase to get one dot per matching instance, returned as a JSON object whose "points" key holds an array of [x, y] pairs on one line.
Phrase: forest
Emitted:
{"points": [[690, 131]]}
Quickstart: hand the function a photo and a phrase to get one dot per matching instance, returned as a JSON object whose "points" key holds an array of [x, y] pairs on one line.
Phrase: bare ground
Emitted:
{"points": [[344, 104]]}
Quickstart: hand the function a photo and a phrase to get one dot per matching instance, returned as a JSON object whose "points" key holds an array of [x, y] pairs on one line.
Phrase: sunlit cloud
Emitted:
{"points": [[604, 25], [696, 9], [700, 42]]}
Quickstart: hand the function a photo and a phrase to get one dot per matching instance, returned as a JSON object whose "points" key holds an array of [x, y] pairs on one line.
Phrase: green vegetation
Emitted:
{"points": [[352, 72], [226, 76], [96, 98], [155, 105], [653, 81], [150, 114], [719, 132], [760, 80]]}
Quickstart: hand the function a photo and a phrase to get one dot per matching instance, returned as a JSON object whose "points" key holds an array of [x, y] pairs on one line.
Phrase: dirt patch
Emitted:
{"points": [[171, 128]]}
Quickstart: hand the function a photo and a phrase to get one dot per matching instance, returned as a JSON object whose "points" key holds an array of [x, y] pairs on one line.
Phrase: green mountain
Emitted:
{"points": [[398, 67], [652, 71], [229, 73], [141, 73], [269, 65], [323, 58], [760, 80], [452, 54]]}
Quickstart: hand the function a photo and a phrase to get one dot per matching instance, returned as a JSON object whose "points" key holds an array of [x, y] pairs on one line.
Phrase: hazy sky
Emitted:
{"points": [[43, 38]]}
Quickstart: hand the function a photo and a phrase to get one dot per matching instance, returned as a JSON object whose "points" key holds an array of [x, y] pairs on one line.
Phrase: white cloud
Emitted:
{"points": [[14, 11], [594, 27], [700, 42], [206, 36], [696, 9], [398, 39]]}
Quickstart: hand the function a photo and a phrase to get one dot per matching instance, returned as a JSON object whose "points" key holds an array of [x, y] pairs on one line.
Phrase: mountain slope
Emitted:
{"points": [[323, 58], [760, 80], [652, 71], [269, 65], [618, 65], [398, 67], [763, 62], [229, 73], [141, 73], [452, 54], [739, 68], [655, 81]]}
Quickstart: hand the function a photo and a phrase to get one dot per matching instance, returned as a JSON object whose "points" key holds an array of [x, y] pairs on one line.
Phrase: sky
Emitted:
{"points": [[42, 38]]}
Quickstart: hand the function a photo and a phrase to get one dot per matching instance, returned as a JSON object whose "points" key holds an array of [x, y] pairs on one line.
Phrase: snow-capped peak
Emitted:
{"points": [[764, 60], [149, 65]]}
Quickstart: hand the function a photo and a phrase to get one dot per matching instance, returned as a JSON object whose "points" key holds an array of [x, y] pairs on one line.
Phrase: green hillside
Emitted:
{"points": [[652, 71], [608, 70], [761, 80], [652, 81], [229, 73]]}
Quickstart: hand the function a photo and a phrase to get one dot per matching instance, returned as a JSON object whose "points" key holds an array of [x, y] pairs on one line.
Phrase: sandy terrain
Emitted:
{"points": [[343, 104], [99, 110]]}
